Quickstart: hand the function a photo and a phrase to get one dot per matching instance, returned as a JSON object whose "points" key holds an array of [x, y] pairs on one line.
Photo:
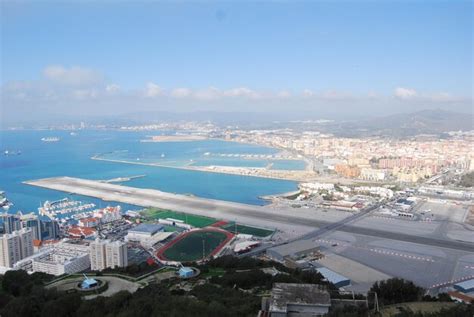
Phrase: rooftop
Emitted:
{"points": [[466, 285], [300, 294], [331, 276], [186, 269], [147, 228]]}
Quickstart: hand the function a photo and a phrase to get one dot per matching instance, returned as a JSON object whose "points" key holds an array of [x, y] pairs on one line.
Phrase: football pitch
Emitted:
{"points": [[195, 221], [194, 245]]}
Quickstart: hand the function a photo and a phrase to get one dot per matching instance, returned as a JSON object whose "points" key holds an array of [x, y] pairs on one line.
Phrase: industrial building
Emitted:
{"points": [[144, 230], [147, 234], [291, 299], [465, 287], [333, 277], [15, 246]]}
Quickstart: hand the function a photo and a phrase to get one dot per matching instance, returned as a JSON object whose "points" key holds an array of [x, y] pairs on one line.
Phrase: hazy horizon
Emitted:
{"points": [[322, 60]]}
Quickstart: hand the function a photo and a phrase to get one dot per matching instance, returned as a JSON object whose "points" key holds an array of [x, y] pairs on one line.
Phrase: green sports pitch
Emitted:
{"points": [[195, 221], [258, 232], [191, 246]]}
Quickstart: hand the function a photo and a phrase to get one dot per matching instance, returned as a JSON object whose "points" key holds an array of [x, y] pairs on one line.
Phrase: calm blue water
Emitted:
{"points": [[71, 157]]}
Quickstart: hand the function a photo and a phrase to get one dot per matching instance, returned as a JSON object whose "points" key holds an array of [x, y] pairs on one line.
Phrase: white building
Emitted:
{"points": [[97, 255], [108, 214], [147, 234], [371, 174], [116, 254], [60, 258], [316, 187], [15, 246], [104, 254]]}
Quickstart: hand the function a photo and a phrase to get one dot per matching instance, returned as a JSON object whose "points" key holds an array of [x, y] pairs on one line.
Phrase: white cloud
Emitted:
{"points": [[284, 94], [308, 93], [210, 93], [181, 92], [112, 88], [372, 94], [84, 94], [68, 90], [405, 93], [241, 92], [153, 90], [72, 76], [336, 95]]}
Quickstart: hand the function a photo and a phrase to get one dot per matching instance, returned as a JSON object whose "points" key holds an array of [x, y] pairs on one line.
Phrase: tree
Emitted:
{"points": [[397, 290]]}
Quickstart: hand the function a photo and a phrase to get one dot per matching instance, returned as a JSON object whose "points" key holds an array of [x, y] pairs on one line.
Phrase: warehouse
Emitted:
{"points": [[333, 277], [293, 250], [466, 286]]}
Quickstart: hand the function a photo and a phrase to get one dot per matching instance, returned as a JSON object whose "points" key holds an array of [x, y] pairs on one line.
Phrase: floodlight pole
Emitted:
{"points": [[203, 249]]}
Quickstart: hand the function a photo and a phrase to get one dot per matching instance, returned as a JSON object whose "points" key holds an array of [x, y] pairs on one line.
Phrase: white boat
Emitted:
{"points": [[50, 139], [4, 202]]}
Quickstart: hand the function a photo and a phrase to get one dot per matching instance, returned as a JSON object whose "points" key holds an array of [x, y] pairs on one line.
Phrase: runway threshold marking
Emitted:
{"points": [[453, 281]]}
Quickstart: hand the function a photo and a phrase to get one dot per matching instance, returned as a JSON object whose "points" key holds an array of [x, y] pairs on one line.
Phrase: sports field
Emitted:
{"points": [[190, 246], [258, 232], [195, 221]]}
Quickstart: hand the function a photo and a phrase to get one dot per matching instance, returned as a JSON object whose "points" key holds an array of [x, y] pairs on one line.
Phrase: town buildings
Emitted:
{"points": [[62, 258], [15, 246]]}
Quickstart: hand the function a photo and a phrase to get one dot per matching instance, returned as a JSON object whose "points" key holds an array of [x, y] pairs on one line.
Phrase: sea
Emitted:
{"points": [[33, 158]]}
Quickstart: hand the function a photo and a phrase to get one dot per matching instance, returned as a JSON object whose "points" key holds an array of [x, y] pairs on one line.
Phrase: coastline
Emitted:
{"points": [[289, 175]]}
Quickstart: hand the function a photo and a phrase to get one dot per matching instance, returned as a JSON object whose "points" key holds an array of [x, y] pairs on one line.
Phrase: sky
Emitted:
{"points": [[321, 58]]}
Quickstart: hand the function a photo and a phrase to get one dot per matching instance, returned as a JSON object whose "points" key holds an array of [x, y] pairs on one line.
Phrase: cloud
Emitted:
{"points": [[72, 76], [283, 94], [405, 93], [210, 93], [112, 88], [83, 94], [153, 90], [241, 92], [336, 95], [308, 93], [181, 92], [80, 90]]}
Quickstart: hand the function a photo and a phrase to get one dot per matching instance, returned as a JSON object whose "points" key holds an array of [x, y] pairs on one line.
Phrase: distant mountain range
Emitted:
{"points": [[409, 124], [395, 125]]}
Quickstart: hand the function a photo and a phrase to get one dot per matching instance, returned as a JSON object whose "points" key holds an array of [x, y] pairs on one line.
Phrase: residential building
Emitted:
{"points": [[15, 246], [50, 229], [89, 222], [32, 221], [116, 254], [104, 254], [97, 255], [62, 258], [10, 223]]}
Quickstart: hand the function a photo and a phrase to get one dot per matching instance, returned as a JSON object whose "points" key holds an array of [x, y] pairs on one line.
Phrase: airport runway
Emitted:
{"points": [[222, 209]]}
